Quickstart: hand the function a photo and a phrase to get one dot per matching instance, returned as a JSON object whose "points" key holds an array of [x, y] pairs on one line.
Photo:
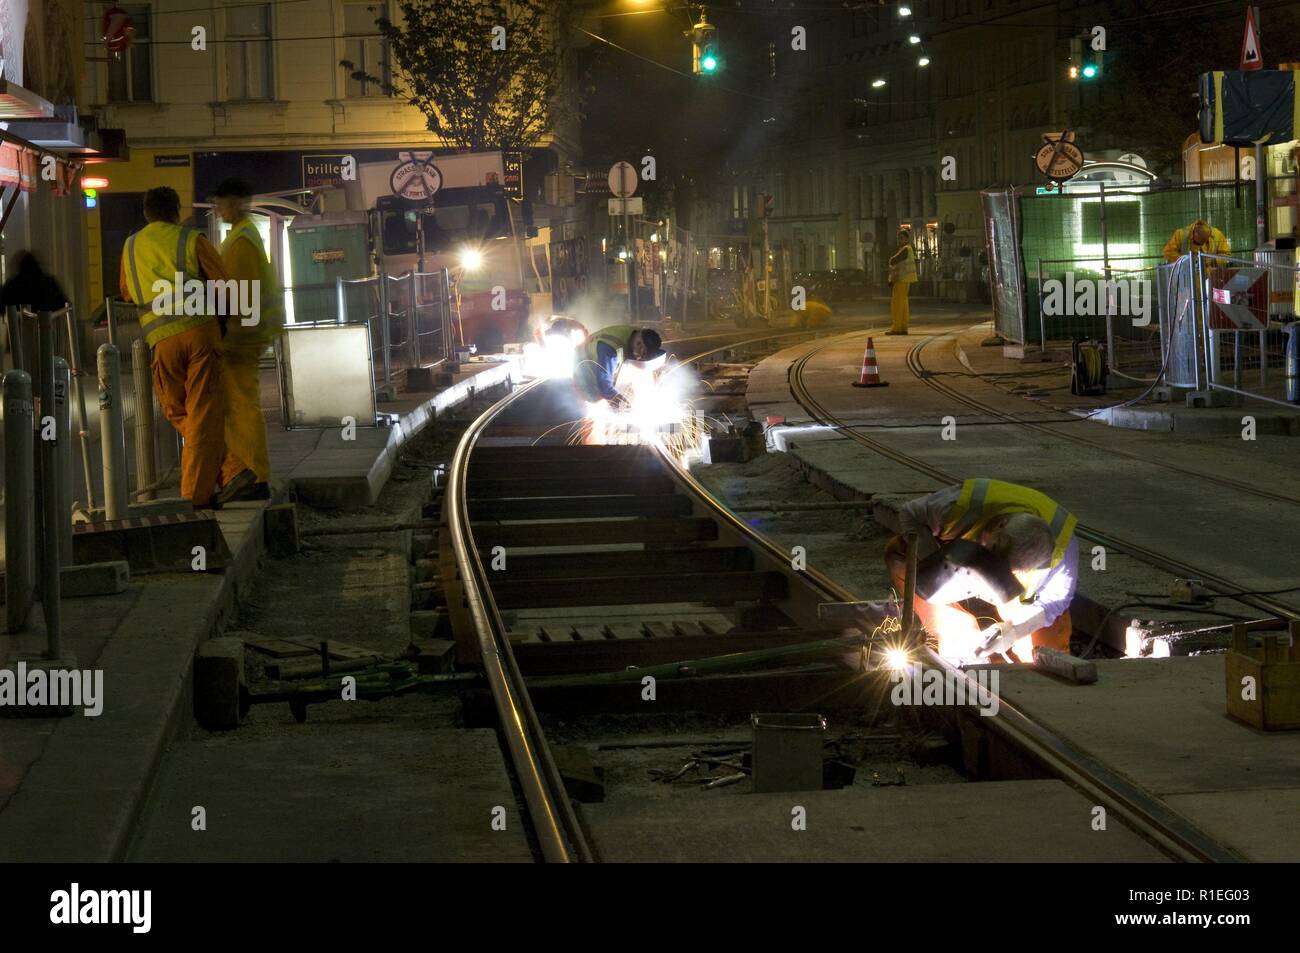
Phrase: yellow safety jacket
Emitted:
{"points": [[270, 316], [153, 256], [588, 370], [905, 270], [981, 501]]}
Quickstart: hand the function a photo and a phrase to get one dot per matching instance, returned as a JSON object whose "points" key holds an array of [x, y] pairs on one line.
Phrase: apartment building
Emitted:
{"points": [[215, 88]]}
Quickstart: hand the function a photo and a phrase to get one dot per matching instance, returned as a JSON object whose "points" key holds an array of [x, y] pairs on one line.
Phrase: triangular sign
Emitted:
{"points": [[1251, 58]]}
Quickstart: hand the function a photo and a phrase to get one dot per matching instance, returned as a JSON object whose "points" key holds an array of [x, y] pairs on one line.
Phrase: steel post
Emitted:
{"points": [[112, 321], [145, 473], [51, 487], [79, 393], [63, 469], [341, 300], [20, 499], [112, 433], [383, 333], [413, 321]]}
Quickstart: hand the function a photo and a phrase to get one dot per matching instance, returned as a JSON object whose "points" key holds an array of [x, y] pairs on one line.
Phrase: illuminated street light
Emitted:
{"points": [[923, 61], [914, 39], [471, 259], [904, 10], [877, 83]]}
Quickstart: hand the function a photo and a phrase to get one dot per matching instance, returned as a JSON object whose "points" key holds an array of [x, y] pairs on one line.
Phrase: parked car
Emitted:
{"points": [[820, 283], [850, 284]]}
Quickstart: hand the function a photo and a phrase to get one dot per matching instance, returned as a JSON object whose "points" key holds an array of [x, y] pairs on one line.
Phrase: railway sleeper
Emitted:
{"points": [[718, 588], [562, 507], [649, 530]]}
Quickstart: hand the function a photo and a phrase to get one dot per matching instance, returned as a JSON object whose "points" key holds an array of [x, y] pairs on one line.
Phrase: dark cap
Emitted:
{"points": [[233, 188]]}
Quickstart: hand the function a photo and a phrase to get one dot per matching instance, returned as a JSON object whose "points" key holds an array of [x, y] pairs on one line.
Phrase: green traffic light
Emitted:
{"points": [[708, 62], [1090, 71]]}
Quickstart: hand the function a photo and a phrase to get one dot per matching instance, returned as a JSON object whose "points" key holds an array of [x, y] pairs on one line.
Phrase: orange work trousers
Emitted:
{"points": [[1054, 636], [187, 375], [245, 424]]}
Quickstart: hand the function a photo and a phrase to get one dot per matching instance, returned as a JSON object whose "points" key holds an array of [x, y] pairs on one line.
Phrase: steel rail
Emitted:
{"points": [[1142, 811], [559, 834], [555, 825]]}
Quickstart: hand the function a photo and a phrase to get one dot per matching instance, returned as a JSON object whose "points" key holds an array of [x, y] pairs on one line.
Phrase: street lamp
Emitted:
{"points": [[904, 10], [877, 83], [914, 38], [923, 61]]}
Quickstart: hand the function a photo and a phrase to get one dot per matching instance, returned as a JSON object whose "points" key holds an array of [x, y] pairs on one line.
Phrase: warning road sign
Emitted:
{"points": [[1251, 57]]}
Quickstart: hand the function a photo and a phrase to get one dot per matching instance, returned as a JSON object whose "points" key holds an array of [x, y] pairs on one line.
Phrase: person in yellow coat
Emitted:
{"points": [[159, 263], [246, 470], [1199, 236], [902, 275]]}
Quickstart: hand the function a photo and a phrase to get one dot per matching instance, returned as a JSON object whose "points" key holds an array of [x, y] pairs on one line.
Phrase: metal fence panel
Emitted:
{"points": [[1005, 272]]}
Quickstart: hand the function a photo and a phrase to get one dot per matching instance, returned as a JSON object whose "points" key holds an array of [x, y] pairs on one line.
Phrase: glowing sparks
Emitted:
{"points": [[553, 358], [896, 660]]}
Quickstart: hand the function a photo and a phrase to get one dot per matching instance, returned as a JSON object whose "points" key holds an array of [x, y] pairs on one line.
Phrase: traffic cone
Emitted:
{"points": [[870, 369]]}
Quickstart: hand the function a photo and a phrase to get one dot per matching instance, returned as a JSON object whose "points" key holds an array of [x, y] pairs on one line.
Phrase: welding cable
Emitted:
{"points": [[1211, 596], [1101, 626]]}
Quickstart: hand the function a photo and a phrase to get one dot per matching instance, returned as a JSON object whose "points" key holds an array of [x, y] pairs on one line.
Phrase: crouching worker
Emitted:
{"points": [[1031, 532], [596, 370]]}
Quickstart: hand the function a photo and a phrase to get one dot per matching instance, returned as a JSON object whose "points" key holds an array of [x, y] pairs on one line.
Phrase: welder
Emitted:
{"points": [[1023, 529], [604, 353]]}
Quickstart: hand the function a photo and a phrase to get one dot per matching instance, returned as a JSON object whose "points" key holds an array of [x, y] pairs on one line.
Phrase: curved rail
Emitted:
{"points": [[556, 826], [559, 834], [1146, 814]]}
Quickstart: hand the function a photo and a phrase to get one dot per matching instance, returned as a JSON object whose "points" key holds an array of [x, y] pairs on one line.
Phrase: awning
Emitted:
{"points": [[19, 103]]}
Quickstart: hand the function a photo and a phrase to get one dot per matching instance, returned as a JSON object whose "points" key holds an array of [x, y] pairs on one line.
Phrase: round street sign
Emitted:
{"points": [[416, 180], [622, 179], [1059, 159]]}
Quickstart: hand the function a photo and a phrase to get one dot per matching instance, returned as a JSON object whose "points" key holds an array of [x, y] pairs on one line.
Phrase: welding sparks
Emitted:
{"points": [[554, 358]]}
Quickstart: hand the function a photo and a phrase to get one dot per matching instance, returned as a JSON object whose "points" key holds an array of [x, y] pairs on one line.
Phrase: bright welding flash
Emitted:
{"points": [[471, 259], [896, 659]]}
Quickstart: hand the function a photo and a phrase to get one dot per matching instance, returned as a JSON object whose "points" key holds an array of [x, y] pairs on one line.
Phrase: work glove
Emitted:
{"points": [[1000, 636]]}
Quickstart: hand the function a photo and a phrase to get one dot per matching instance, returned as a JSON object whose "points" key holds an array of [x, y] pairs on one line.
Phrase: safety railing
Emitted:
{"points": [[1248, 345], [412, 320]]}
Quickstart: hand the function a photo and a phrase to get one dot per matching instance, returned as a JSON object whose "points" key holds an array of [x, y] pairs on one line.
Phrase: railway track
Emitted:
{"points": [[536, 601], [818, 412]]}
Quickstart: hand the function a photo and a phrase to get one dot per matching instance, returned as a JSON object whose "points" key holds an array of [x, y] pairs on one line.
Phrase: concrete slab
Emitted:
{"points": [[996, 822], [1165, 726], [413, 796]]}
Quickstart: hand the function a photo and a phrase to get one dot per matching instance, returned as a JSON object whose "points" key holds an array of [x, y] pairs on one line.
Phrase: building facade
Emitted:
{"points": [[212, 89]]}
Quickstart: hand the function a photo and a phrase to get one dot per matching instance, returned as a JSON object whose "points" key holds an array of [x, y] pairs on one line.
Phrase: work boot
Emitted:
{"points": [[258, 491], [241, 481]]}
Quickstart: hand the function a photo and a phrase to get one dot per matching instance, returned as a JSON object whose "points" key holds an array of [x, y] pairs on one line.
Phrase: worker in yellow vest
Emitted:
{"points": [[246, 470], [160, 265], [902, 275], [1199, 236], [603, 354], [1033, 533]]}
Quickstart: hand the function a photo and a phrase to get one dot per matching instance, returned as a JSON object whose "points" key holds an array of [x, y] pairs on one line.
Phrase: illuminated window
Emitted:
{"points": [[248, 51]]}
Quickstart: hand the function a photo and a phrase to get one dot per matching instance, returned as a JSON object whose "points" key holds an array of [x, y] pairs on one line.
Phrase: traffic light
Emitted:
{"points": [[1079, 68], [704, 47]]}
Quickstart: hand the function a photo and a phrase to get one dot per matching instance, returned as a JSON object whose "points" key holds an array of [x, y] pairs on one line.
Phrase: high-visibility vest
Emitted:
{"points": [[616, 336], [905, 270], [271, 301], [982, 501], [153, 257]]}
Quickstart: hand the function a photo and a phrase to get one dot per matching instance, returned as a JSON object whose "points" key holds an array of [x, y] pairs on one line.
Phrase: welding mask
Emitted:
{"points": [[962, 569]]}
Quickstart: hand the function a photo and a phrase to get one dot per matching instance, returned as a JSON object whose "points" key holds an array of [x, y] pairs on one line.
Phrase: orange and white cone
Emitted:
{"points": [[870, 369]]}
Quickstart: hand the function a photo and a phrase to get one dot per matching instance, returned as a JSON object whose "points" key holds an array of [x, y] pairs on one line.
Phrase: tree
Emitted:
{"points": [[1146, 97], [485, 73]]}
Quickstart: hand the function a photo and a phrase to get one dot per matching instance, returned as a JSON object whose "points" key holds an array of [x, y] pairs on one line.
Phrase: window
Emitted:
{"points": [[130, 79], [365, 49], [248, 51]]}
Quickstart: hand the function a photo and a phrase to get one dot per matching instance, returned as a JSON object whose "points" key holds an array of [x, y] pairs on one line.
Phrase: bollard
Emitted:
{"points": [[112, 437], [83, 426], [51, 488], [20, 499], [144, 453], [63, 454]]}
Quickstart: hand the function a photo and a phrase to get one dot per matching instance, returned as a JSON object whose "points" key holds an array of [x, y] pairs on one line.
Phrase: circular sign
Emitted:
{"points": [[116, 29], [416, 180], [622, 179], [1059, 160]]}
